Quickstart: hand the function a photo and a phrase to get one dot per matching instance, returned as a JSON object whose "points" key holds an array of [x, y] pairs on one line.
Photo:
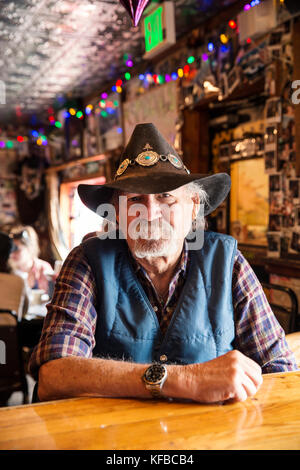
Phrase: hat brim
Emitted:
{"points": [[217, 187]]}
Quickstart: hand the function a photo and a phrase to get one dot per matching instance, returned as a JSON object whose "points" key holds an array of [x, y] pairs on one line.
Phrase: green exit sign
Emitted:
{"points": [[154, 29], [159, 28]]}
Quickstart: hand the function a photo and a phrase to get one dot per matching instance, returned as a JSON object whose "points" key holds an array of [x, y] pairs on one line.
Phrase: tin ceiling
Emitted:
{"points": [[50, 48]]}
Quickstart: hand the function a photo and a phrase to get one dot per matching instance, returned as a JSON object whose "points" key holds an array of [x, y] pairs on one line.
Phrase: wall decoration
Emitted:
{"points": [[159, 106], [273, 110], [273, 244]]}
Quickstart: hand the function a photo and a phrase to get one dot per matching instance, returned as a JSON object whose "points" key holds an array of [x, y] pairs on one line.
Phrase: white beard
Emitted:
{"points": [[154, 239]]}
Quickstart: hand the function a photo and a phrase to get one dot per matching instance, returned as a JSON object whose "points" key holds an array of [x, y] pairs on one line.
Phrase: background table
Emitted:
{"points": [[270, 420]]}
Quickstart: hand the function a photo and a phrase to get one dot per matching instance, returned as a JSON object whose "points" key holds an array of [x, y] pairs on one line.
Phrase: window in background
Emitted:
{"points": [[77, 219], [249, 201]]}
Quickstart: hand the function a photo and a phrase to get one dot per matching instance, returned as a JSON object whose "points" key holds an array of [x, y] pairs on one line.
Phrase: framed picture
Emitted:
{"points": [[273, 244], [294, 190], [275, 182], [273, 110], [271, 161], [275, 222]]}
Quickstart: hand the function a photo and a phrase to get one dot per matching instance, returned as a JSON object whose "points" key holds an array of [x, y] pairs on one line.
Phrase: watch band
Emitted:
{"points": [[155, 391]]}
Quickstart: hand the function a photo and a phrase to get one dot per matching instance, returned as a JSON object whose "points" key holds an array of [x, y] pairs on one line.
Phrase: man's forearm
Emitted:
{"points": [[232, 376], [76, 376]]}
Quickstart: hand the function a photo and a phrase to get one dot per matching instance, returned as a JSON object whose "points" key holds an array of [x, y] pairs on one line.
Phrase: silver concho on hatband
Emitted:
{"points": [[175, 161]]}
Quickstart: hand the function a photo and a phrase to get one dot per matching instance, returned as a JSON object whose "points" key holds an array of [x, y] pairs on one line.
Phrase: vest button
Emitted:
{"points": [[155, 308], [163, 358]]}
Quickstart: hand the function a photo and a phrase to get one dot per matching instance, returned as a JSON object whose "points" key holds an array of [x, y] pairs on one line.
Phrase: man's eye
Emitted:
{"points": [[165, 195], [134, 199]]}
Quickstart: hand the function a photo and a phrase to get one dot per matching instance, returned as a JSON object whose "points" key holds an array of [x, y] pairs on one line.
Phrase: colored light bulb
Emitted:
{"points": [[223, 38]]}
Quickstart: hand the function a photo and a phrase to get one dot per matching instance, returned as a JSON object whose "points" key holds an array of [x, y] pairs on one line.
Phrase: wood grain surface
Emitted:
{"points": [[270, 420]]}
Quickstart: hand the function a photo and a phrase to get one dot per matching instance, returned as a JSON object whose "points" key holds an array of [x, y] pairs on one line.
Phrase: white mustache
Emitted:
{"points": [[154, 230]]}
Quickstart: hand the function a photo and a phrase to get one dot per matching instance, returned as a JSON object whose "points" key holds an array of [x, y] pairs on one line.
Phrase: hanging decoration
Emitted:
{"points": [[135, 9]]}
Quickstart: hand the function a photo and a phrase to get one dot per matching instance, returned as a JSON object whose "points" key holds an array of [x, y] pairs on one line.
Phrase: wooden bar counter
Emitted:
{"points": [[270, 420]]}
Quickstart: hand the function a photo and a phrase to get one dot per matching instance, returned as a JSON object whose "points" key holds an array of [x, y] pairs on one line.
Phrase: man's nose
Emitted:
{"points": [[153, 209]]}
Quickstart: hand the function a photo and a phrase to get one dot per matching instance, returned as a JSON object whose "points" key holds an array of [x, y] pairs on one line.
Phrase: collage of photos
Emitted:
{"points": [[284, 187]]}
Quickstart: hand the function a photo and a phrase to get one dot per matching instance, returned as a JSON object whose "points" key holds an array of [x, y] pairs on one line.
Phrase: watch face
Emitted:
{"points": [[155, 373]]}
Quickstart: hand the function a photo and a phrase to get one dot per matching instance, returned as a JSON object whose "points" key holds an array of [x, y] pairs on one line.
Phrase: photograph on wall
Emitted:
{"points": [[275, 222], [285, 242], [289, 221], [271, 161], [273, 110], [275, 182], [276, 202], [295, 242], [271, 134], [294, 190], [273, 244]]}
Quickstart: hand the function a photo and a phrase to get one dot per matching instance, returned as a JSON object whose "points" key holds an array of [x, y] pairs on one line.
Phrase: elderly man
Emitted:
{"points": [[143, 311]]}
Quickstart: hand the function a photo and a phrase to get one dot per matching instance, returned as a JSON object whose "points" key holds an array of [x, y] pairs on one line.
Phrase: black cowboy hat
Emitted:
{"points": [[150, 165]]}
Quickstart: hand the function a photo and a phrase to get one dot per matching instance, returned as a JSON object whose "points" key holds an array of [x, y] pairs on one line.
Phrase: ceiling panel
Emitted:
{"points": [[50, 48]]}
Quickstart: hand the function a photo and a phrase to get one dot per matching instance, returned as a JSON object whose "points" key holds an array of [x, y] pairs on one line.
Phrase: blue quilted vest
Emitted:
{"points": [[202, 326]]}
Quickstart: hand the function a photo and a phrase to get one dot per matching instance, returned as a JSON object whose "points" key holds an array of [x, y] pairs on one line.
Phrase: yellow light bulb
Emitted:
{"points": [[224, 38]]}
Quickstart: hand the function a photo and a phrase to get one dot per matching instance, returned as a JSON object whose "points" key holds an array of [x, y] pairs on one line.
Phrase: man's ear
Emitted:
{"points": [[196, 206]]}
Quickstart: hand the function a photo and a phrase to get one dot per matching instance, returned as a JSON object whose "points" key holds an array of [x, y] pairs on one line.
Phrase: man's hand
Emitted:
{"points": [[232, 376]]}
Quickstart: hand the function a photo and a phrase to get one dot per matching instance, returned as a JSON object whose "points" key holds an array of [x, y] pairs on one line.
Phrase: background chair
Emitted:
{"points": [[13, 295], [287, 316], [12, 372]]}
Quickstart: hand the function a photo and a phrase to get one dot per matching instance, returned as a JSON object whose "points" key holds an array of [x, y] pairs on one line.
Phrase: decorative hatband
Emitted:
{"points": [[149, 158]]}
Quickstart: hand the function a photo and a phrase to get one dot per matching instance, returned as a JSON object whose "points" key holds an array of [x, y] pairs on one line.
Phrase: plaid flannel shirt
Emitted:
{"points": [[70, 323]]}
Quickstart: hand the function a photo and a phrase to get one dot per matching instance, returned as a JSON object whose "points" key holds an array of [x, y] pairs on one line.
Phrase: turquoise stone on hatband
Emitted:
{"points": [[148, 158]]}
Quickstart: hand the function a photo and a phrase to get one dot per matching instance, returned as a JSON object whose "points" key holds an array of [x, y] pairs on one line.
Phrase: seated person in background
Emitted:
{"points": [[25, 261], [150, 314], [13, 289]]}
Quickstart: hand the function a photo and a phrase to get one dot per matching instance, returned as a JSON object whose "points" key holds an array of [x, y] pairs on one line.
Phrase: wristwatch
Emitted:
{"points": [[154, 378]]}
